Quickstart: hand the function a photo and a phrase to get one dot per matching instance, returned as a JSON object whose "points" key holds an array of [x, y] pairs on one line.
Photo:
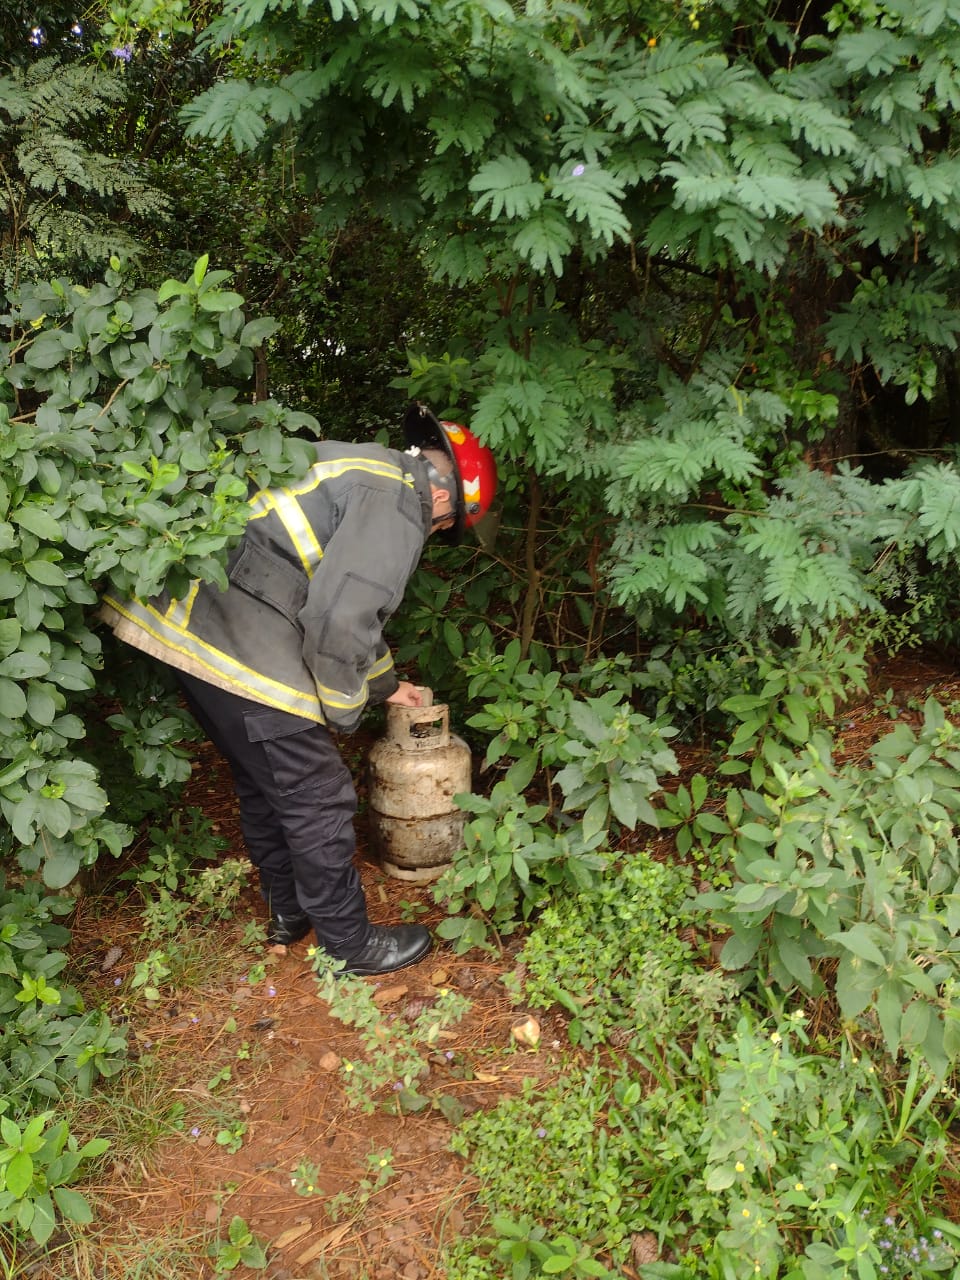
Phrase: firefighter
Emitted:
{"points": [[293, 651]]}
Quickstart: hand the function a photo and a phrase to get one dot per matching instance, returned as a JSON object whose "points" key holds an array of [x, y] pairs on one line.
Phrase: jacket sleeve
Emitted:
{"points": [[358, 583]]}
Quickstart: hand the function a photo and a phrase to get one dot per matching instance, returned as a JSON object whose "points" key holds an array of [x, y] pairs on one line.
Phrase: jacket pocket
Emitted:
{"points": [[264, 724], [271, 579]]}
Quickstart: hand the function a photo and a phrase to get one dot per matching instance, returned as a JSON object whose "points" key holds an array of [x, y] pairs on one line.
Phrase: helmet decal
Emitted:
{"points": [[455, 432], [471, 491]]}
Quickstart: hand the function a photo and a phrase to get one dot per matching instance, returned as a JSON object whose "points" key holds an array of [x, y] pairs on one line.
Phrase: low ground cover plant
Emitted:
{"points": [[798, 1124]]}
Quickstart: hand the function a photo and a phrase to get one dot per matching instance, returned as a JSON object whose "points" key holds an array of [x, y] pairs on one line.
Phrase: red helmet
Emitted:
{"points": [[474, 468]]}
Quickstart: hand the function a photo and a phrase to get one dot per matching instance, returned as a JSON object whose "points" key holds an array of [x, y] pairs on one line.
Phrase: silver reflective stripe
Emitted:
{"points": [[381, 666], [298, 528], [204, 657]]}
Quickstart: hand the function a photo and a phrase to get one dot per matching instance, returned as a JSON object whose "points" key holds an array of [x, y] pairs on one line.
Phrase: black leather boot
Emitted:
{"points": [[389, 947], [283, 930]]}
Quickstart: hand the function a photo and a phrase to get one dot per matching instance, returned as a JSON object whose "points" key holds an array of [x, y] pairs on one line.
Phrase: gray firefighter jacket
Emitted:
{"points": [[321, 566]]}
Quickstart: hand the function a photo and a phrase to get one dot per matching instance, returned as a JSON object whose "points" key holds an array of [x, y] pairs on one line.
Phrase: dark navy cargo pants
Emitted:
{"points": [[297, 804]]}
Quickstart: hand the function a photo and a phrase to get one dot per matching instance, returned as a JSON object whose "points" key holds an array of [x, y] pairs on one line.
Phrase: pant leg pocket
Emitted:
{"points": [[295, 749]]}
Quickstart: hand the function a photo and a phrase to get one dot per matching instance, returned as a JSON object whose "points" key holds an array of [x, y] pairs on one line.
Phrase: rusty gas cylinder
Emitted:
{"points": [[413, 773]]}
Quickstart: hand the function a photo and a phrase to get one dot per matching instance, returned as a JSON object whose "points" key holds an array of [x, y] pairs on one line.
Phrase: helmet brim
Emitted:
{"points": [[422, 429]]}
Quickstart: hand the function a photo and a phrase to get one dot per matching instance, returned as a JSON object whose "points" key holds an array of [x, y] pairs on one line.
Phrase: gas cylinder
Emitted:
{"points": [[413, 773]]}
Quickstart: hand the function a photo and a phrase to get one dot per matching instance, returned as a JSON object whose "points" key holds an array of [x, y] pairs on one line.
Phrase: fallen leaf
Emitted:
{"points": [[485, 1077], [329, 1241], [111, 958], [388, 995], [439, 977], [292, 1234]]}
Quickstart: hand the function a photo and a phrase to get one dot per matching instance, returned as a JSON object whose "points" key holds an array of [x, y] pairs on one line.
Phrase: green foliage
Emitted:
{"points": [[788, 695], [549, 1155], [517, 853], [64, 200], [731, 1142], [397, 1049], [51, 1043], [37, 1163], [671, 251], [850, 870], [124, 461], [240, 1247], [593, 952], [122, 454]]}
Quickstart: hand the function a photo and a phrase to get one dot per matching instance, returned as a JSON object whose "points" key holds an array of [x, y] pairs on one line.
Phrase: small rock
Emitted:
{"points": [[329, 1061]]}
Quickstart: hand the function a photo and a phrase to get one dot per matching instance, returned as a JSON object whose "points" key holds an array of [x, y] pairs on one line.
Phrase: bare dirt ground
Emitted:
{"points": [[290, 1088]]}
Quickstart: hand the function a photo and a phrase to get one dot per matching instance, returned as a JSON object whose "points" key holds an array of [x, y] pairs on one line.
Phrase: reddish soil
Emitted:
{"points": [[290, 1090], [292, 1093]]}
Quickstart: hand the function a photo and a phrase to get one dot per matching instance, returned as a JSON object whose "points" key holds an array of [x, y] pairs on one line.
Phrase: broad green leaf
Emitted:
{"points": [[13, 700], [72, 1205], [43, 1220], [595, 817], [861, 941], [219, 300], [521, 772], [60, 868], [10, 632], [46, 573], [39, 521], [558, 1263], [740, 949], [18, 1174], [24, 666]]}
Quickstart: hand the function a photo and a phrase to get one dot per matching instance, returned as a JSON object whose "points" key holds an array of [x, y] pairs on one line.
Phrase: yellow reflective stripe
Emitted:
{"points": [[283, 503], [321, 471], [178, 614], [342, 701], [282, 696], [299, 529], [381, 666], [260, 504], [218, 663]]}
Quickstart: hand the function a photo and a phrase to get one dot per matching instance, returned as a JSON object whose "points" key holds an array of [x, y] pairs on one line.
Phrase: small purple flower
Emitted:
{"points": [[194, 1020], [195, 1131], [541, 1133], [578, 170], [271, 991], [397, 1086], [123, 53], [449, 1055], [117, 981]]}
